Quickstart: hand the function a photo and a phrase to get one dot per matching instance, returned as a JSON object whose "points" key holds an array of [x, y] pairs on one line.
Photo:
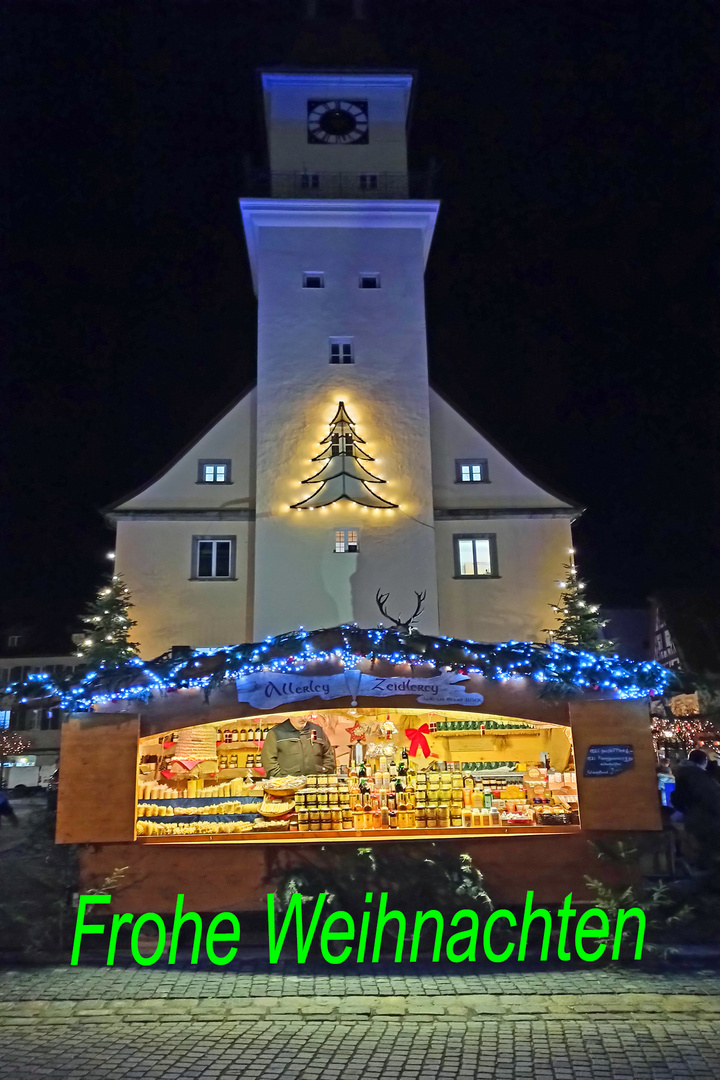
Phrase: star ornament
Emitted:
{"points": [[356, 733]]}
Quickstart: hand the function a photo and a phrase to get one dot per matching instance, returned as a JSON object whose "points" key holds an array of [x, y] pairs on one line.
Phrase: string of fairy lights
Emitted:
{"points": [[682, 733], [557, 670]]}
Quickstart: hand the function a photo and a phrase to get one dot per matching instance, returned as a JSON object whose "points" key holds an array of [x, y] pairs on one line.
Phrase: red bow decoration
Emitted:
{"points": [[418, 740]]}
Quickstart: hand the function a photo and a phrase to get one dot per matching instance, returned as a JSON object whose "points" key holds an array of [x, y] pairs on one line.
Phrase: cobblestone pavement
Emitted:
{"points": [[254, 978], [131, 1024]]}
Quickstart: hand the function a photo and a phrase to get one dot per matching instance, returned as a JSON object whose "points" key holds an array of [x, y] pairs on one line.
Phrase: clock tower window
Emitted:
{"points": [[313, 279], [346, 541], [342, 351]]}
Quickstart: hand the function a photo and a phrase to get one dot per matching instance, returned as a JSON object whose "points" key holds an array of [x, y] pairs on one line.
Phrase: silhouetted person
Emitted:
{"points": [[697, 797], [6, 810], [713, 769]]}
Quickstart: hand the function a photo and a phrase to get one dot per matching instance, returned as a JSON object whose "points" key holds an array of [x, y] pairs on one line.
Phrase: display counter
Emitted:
{"points": [[209, 782]]}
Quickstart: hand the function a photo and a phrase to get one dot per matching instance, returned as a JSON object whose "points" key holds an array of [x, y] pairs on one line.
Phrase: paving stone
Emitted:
{"points": [[120, 1024]]}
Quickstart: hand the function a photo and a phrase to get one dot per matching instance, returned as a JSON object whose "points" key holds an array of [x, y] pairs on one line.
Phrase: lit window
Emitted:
{"points": [[309, 181], [341, 443], [213, 557], [213, 472], [313, 280], [471, 471], [4, 719], [476, 556], [368, 182], [341, 351], [346, 540], [369, 281]]}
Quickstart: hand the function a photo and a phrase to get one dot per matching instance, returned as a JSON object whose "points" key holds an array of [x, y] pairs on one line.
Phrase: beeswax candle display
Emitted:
{"points": [[485, 773]]}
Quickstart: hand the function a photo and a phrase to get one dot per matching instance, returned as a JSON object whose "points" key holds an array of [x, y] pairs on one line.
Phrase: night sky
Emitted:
{"points": [[571, 287]]}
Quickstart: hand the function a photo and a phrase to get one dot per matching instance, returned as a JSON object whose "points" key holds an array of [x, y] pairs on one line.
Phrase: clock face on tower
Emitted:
{"points": [[336, 121]]}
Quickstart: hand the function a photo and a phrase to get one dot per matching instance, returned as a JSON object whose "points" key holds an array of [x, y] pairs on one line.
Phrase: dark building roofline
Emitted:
{"points": [[693, 619], [508, 457], [179, 456]]}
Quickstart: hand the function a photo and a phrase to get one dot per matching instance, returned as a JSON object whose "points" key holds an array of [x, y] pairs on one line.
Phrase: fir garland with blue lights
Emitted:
{"points": [[557, 670]]}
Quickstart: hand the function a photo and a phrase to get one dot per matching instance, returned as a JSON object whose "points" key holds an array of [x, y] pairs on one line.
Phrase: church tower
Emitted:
{"points": [[338, 253], [342, 473]]}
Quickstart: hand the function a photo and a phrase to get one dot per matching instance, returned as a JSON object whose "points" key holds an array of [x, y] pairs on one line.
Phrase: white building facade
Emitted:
{"points": [[341, 473]]}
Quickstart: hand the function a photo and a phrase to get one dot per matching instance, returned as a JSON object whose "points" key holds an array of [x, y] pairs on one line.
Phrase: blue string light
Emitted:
{"points": [[552, 665]]}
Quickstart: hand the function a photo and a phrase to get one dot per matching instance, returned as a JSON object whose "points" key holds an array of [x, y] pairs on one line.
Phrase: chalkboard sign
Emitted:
{"points": [[608, 760]]}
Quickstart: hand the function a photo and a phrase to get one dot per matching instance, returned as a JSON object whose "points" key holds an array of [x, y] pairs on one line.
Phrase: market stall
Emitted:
{"points": [[180, 788]]}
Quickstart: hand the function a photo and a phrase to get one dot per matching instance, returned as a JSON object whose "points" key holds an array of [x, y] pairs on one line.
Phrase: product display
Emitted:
{"points": [[381, 789], [194, 746]]}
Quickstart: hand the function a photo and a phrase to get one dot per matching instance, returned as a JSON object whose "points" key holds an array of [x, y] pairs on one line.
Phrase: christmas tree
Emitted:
{"points": [[108, 626], [343, 476], [580, 624]]}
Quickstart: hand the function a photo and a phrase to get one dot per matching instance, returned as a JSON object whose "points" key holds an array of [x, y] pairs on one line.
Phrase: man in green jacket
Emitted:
{"points": [[297, 747]]}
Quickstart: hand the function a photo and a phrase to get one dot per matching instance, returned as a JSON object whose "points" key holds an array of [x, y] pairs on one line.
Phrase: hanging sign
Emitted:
{"points": [[608, 760], [272, 690]]}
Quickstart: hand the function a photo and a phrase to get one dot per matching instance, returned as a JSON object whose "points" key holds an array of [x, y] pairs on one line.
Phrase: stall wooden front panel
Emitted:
{"points": [[630, 800], [98, 777], [236, 877]]}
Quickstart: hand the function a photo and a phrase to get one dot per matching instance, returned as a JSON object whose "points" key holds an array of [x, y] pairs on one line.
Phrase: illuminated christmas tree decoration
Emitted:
{"points": [[579, 623], [108, 627], [342, 475]]}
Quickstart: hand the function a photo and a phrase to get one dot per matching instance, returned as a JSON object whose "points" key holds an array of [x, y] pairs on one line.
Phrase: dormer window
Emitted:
{"points": [[471, 471], [214, 471]]}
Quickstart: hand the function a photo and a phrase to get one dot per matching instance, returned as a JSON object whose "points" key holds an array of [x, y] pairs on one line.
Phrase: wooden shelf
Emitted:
{"points": [[230, 747], [362, 836], [485, 734]]}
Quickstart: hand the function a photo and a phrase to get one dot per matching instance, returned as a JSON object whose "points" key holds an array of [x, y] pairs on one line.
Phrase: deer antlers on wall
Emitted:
{"points": [[381, 599]]}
